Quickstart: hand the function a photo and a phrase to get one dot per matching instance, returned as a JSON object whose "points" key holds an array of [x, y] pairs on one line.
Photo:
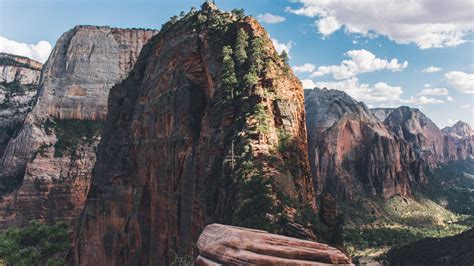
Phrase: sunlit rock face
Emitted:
{"points": [[18, 79], [46, 167]]}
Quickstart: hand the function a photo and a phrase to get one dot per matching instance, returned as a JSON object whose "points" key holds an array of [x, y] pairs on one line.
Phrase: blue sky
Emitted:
{"points": [[348, 45]]}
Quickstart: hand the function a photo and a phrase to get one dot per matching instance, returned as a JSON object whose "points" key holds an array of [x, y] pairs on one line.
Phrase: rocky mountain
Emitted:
{"points": [[459, 141], [46, 167], [208, 127], [431, 144], [459, 130], [352, 153], [19, 70], [18, 80], [417, 129]]}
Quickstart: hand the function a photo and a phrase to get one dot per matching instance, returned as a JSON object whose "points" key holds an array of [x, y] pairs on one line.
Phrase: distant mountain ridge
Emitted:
{"points": [[381, 151]]}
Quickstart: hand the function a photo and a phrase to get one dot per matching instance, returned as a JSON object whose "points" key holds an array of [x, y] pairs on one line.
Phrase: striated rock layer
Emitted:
{"points": [[351, 152], [18, 80], [185, 146], [459, 141], [432, 145], [19, 69], [46, 168], [229, 245]]}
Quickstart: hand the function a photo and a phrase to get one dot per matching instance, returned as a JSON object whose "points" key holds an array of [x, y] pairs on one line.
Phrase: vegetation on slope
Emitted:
{"points": [[70, 133], [37, 244], [440, 209]]}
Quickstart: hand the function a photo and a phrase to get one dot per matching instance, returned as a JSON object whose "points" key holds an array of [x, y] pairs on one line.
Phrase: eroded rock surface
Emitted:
{"points": [[229, 245], [45, 169], [351, 152], [184, 147], [19, 69], [18, 80]]}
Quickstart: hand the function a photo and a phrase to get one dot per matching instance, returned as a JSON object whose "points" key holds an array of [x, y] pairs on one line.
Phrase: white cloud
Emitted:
{"points": [[304, 68], [422, 100], [450, 99], [427, 23], [377, 93], [270, 18], [465, 106], [308, 84], [431, 69], [461, 81], [434, 91], [328, 25], [279, 47], [39, 52], [362, 61]]}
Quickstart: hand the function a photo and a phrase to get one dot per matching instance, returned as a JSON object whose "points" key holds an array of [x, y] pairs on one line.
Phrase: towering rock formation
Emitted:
{"points": [[46, 168], [459, 141], [185, 144], [18, 79], [351, 152], [18, 69], [459, 130], [417, 129], [432, 145]]}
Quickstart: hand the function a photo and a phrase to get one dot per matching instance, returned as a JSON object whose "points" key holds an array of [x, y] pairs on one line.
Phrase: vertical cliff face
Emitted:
{"points": [[18, 69], [18, 79], [46, 167], [458, 141], [417, 129], [185, 144], [352, 153]]}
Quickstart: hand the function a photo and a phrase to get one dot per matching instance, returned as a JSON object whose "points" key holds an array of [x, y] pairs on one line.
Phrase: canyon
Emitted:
{"points": [[198, 142]]}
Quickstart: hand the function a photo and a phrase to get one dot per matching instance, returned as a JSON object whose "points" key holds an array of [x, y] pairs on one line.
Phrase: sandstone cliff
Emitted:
{"points": [[417, 129], [459, 130], [432, 145], [18, 69], [352, 153], [45, 169], [18, 80], [186, 144], [458, 141]]}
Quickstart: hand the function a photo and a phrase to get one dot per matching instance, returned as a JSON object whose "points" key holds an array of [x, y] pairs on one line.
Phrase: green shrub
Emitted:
{"points": [[37, 244], [255, 204], [70, 133]]}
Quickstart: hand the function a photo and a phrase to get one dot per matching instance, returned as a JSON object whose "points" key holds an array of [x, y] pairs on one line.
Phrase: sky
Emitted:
{"points": [[385, 53]]}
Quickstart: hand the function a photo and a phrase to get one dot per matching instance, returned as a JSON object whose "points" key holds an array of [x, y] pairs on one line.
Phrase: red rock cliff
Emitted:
{"points": [[352, 153], [46, 167], [185, 145]]}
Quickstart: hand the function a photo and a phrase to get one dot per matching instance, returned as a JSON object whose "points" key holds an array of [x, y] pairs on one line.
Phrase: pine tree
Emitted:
{"points": [[229, 79], [257, 53], [284, 56], [241, 46], [286, 59]]}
